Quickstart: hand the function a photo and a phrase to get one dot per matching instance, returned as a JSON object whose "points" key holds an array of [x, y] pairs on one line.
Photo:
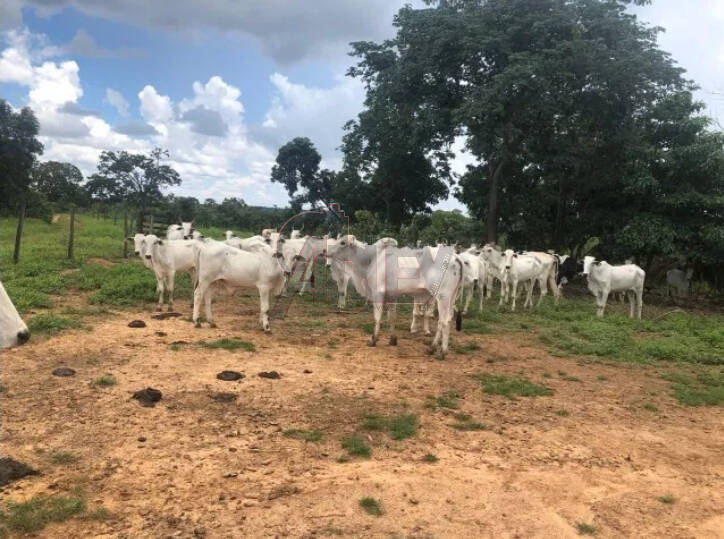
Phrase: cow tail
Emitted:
{"points": [[458, 312]]}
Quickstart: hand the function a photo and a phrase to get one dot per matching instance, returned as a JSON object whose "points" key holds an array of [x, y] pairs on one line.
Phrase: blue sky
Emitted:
{"points": [[222, 84]]}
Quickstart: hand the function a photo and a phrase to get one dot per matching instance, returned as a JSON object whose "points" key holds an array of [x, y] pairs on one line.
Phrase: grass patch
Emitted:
{"points": [[99, 513], [399, 427], [666, 498], [704, 389], [585, 529], [107, 380], [50, 324], [371, 506], [650, 407], [356, 447], [34, 514], [469, 424], [174, 347], [449, 400], [466, 347], [63, 457], [562, 412], [429, 457], [511, 387], [301, 434], [368, 328], [228, 344], [601, 378]]}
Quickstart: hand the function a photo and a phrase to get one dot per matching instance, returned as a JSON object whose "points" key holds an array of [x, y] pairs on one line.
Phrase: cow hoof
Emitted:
{"points": [[431, 350], [197, 324], [267, 329], [441, 356], [371, 342], [428, 334], [413, 331], [393, 341]]}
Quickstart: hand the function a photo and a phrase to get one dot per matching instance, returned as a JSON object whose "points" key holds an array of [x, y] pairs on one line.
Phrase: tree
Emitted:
{"points": [[19, 149], [133, 178], [58, 182], [297, 168]]}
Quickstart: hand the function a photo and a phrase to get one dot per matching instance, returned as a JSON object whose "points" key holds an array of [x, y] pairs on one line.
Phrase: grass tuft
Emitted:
{"points": [[399, 427], [63, 457], [562, 412], [704, 389], [50, 324], [355, 446], [511, 386], [666, 498], [107, 380], [585, 529], [301, 434], [429, 457], [371, 506], [469, 425], [34, 514]]}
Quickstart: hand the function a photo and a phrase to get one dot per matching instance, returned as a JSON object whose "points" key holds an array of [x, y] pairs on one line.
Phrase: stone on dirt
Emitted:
{"points": [[148, 397], [273, 375], [136, 324], [63, 371], [229, 376], [224, 397]]}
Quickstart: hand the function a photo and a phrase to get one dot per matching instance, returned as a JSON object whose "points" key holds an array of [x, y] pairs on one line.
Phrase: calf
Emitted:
{"points": [[219, 263], [168, 257], [522, 268], [13, 330], [604, 278]]}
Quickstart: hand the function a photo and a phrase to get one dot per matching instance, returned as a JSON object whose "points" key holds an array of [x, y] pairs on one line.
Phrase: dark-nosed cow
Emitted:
{"points": [[521, 268], [382, 274], [603, 278], [139, 243], [13, 330], [220, 263], [179, 231]]}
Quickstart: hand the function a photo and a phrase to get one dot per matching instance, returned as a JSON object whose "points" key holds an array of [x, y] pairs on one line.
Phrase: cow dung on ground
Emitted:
{"points": [[273, 375], [63, 371], [148, 397], [136, 324], [229, 376], [12, 470], [165, 316]]}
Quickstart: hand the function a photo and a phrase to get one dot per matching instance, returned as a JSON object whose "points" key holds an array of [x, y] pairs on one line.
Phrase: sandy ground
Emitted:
{"points": [[224, 469]]}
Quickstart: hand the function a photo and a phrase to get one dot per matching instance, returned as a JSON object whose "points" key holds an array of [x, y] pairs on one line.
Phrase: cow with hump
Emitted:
{"points": [[13, 330], [382, 273]]}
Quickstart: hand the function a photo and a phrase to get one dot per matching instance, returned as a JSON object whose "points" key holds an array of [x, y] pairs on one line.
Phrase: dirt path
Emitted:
{"points": [[225, 469]]}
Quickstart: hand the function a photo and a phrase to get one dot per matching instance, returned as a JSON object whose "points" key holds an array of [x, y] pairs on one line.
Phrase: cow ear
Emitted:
{"points": [[129, 238], [515, 255], [160, 242]]}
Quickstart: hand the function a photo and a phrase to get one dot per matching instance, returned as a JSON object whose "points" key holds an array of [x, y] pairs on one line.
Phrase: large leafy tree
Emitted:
{"points": [[133, 178], [58, 182], [297, 169], [19, 149]]}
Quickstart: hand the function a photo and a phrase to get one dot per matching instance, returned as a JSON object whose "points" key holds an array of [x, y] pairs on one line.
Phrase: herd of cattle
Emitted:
{"points": [[436, 277]]}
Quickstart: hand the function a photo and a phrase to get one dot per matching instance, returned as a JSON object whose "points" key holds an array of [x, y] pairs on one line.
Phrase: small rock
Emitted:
{"points": [[161, 333], [229, 476], [224, 397], [136, 324], [413, 501], [63, 371], [229, 376], [307, 371], [272, 375], [148, 397], [199, 532], [141, 438]]}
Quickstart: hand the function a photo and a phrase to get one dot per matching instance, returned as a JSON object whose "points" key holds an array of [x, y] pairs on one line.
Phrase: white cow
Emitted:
{"points": [[139, 243], [218, 263], [549, 273], [229, 234], [180, 230], [604, 278], [519, 268], [13, 330], [381, 275], [471, 277], [167, 258], [495, 261], [678, 282]]}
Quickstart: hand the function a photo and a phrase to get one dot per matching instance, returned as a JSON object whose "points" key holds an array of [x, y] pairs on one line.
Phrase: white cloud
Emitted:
{"points": [[117, 101], [155, 108]]}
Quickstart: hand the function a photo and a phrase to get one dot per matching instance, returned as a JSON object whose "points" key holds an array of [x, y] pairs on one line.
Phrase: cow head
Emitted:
{"points": [[149, 242], [13, 330], [588, 263], [138, 241], [342, 247], [508, 256]]}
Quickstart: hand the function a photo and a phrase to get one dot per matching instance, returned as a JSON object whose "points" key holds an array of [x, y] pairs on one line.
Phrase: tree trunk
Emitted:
{"points": [[19, 231], [491, 216]]}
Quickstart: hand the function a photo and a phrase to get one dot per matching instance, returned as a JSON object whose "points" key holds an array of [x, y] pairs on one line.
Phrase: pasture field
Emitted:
{"points": [[549, 424]]}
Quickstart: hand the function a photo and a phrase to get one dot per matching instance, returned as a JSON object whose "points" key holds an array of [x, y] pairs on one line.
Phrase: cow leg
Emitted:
{"points": [[444, 312], [514, 293], [391, 320], [639, 302], [159, 291], [264, 308], [377, 308], [192, 273], [170, 282], [601, 302], [341, 294], [207, 306], [468, 291], [543, 285], [416, 310], [554, 288], [199, 298], [428, 312], [529, 285]]}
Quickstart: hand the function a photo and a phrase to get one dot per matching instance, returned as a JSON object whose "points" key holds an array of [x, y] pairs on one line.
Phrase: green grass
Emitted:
{"points": [[706, 388], [511, 386], [371, 506], [34, 514], [562, 412], [399, 427], [63, 457], [465, 347], [585, 529], [107, 380], [301, 434], [429, 457], [449, 400], [650, 407], [368, 328], [99, 513], [356, 447], [666, 498], [50, 324], [228, 344]]}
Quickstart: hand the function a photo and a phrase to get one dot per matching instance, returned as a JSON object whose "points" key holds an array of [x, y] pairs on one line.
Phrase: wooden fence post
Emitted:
{"points": [[19, 231], [71, 234], [125, 233]]}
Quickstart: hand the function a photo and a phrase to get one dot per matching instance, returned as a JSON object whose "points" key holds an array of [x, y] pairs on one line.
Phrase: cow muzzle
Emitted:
{"points": [[137, 252], [507, 267], [23, 336], [148, 257]]}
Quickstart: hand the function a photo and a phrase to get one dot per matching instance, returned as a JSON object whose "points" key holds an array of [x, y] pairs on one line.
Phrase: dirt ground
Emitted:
{"points": [[225, 469]]}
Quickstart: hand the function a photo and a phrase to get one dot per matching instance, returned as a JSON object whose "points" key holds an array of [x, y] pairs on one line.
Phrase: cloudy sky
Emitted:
{"points": [[223, 83]]}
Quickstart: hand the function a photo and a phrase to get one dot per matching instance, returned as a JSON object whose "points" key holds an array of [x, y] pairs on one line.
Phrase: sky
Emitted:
{"points": [[224, 83]]}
